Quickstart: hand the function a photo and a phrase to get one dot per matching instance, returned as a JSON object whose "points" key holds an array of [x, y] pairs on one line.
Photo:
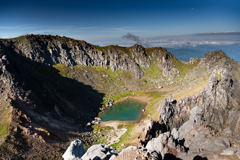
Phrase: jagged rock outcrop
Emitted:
{"points": [[133, 152], [197, 137], [164, 144], [168, 66], [174, 113], [98, 152], [139, 55], [74, 151], [150, 129], [218, 101], [214, 111]]}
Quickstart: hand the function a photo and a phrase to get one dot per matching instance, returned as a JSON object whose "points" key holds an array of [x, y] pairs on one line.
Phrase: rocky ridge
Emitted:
{"points": [[51, 50]]}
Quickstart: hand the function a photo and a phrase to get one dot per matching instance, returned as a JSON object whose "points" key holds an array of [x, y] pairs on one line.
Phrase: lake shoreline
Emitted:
{"points": [[140, 99]]}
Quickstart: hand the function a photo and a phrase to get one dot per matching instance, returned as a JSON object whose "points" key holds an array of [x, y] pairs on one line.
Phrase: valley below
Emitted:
{"points": [[54, 89]]}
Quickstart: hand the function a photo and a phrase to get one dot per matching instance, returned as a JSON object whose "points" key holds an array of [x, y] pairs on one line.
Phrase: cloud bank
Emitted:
{"points": [[192, 43], [215, 38]]}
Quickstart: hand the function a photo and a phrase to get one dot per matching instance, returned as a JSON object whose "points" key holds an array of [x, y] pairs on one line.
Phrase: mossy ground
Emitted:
{"points": [[3, 129]]}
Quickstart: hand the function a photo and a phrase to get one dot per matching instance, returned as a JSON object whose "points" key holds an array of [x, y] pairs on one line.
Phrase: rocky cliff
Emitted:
{"points": [[50, 50]]}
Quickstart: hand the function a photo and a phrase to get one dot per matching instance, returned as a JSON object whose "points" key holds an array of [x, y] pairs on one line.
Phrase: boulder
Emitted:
{"points": [[128, 148], [171, 143], [74, 151], [195, 118], [175, 133], [158, 144], [109, 103], [97, 119], [99, 152], [196, 114], [132, 152], [230, 151], [155, 145]]}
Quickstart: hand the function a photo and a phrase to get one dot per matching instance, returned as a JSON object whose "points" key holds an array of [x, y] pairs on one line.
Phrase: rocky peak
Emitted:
{"points": [[139, 55], [212, 59], [138, 48]]}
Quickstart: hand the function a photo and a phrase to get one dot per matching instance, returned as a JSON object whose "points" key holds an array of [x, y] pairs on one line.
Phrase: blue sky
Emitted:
{"points": [[166, 23]]}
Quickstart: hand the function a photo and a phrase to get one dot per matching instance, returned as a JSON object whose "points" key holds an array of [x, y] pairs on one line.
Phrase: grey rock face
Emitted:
{"points": [[197, 137], [196, 115], [128, 148], [75, 150], [99, 152], [171, 143], [194, 119], [167, 66], [171, 108], [219, 99], [175, 133], [170, 99], [230, 151], [163, 144], [140, 56], [167, 110], [216, 101], [145, 135], [52, 50], [133, 152], [155, 145]]}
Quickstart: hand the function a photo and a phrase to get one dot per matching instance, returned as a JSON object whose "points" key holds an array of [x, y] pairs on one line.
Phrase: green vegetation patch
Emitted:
{"points": [[219, 76], [184, 67], [118, 96], [153, 71], [154, 94], [112, 74], [126, 138], [3, 129], [62, 68], [149, 108], [149, 51], [145, 81]]}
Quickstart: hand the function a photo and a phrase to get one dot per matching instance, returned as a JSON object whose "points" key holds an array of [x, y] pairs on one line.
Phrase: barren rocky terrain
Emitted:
{"points": [[52, 89]]}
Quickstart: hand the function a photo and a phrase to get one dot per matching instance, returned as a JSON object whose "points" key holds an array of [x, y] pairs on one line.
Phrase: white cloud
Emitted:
{"points": [[181, 43]]}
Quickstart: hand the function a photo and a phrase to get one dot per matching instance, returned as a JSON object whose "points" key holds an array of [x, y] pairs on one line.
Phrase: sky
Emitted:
{"points": [[176, 25]]}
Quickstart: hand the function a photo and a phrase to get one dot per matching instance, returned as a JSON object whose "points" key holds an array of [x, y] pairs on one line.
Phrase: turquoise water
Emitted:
{"points": [[124, 111]]}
